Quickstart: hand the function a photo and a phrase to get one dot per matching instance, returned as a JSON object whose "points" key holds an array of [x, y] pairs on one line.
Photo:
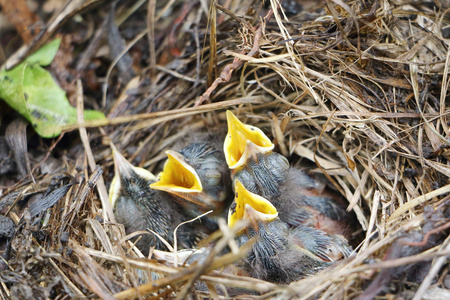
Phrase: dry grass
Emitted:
{"points": [[357, 90]]}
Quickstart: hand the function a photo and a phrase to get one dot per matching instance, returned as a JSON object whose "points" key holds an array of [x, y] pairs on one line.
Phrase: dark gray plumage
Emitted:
{"points": [[299, 198], [278, 253], [263, 173], [209, 162], [139, 208]]}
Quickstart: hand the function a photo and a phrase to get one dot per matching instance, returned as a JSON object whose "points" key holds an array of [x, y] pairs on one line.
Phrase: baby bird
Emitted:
{"points": [[140, 208], [248, 152], [197, 173], [329, 247], [299, 198], [304, 200], [278, 254]]}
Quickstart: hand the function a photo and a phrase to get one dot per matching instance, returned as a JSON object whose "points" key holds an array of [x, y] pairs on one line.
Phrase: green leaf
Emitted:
{"points": [[32, 91], [45, 55]]}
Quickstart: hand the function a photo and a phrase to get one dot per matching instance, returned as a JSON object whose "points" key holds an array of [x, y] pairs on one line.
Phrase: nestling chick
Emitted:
{"points": [[140, 208], [301, 201], [248, 152], [278, 254], [329, 247], [304, 200], [299, 198], [197, 173]]}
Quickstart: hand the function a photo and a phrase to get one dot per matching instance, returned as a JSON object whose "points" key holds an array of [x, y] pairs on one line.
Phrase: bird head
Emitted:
{"points": [[180, 179], [126, 172], [250, 206], [235, 144]]}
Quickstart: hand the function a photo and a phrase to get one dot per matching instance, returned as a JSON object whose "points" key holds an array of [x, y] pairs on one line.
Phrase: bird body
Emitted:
{"points": [[300, 199], [140, 208], [306, 201], [297, 196], [278, 253], [328, 247], [276, 256]]}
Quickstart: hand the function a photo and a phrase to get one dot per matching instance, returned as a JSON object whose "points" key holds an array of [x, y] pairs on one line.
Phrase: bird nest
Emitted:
{"points": [[354, 90]]}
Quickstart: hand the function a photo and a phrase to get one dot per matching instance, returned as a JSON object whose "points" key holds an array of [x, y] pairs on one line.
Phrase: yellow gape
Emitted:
{"points": [[248, 203], [236, 141], [177, 176]]}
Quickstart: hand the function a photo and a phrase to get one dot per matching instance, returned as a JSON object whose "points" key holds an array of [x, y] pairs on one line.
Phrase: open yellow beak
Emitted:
{"points": [[249, 205], [236, 141], [177, 176], [123, 169]]}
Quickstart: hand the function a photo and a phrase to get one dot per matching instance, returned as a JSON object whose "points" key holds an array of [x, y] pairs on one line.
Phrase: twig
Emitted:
{"points": [[220, 245], [427, 236], [151, 34], [175, 240], [437, 265], [107, 209], [158, 117]]}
